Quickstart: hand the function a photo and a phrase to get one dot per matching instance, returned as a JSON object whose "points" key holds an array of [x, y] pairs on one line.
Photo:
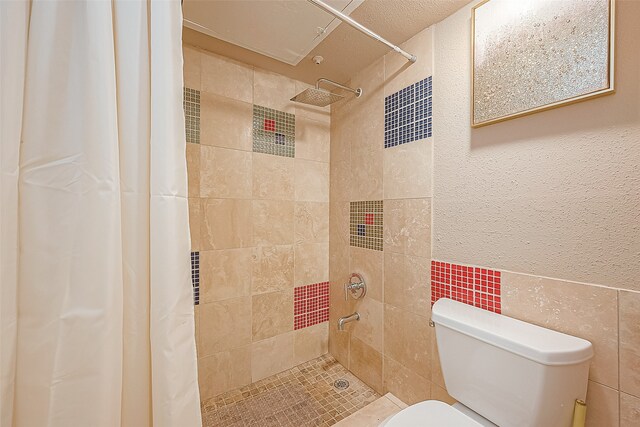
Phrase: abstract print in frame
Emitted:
{"points": [[533, 55]]}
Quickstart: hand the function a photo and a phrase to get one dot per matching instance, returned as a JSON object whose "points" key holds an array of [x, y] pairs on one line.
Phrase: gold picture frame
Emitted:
{"points": [[483, 117]]}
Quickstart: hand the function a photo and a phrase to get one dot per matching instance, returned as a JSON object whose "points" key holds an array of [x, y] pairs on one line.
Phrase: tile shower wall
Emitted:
{"points": [[259, 212], [392, 348], [381, 161]]}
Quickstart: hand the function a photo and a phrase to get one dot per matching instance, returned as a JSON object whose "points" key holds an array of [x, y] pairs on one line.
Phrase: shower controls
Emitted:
{"points": [[356, 287]]}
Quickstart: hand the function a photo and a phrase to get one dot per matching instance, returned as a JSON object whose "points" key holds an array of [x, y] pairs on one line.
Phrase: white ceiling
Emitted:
{"points": [[282, 30], [346, 50]]}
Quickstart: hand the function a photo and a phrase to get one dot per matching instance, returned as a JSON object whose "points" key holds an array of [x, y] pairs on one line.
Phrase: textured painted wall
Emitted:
{"points": [[552, 194]]}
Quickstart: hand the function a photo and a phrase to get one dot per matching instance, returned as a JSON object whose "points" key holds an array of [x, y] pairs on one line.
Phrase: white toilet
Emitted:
{"points": [[502, 371]]}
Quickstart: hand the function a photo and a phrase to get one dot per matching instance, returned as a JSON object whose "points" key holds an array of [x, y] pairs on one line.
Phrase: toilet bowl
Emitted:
{"points": [[502, 371]]}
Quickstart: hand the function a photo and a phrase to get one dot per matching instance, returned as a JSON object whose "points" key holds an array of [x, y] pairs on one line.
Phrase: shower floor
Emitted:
{"points": [[302, 396]]}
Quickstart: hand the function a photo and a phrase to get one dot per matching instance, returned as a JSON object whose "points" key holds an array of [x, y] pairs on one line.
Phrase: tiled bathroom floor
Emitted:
{"points": [[301, 396]]}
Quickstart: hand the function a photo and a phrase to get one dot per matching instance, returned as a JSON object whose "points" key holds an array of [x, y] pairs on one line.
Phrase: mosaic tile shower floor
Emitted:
{"points": [[301, 396]]}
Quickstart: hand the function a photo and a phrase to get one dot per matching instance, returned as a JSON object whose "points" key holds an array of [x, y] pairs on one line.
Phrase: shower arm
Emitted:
{"points": [[355, 24], [358, 91]]}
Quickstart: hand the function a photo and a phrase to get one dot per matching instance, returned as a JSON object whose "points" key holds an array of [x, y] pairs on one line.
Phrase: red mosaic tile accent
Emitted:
{"points": [[476, 286], [368, 218], [269, 125], [310, 305]]}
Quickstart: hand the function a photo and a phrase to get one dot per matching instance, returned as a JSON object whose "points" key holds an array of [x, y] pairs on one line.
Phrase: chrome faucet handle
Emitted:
{"points": [[356, 286]]}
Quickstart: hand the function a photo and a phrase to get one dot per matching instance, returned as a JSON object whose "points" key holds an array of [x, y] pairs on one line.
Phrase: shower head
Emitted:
{"points": [[317, 97], [320, 97]]}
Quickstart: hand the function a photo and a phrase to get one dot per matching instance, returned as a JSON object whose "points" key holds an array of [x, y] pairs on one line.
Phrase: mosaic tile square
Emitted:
{"points": [[195, 276], [274, 132], [310, 305], [365, 224], [408, 114], [476, 286], [191, 104]]}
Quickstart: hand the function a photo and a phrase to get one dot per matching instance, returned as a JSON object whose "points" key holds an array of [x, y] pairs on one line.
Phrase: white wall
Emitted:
{"points": [[552, 194]]}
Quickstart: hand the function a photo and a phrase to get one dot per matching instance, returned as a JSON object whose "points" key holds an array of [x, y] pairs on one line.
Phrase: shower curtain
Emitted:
{"points": [[96, 311]]}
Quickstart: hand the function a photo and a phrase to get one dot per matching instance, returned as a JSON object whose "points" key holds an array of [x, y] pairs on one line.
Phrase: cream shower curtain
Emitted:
{"points": [[96, 311]]}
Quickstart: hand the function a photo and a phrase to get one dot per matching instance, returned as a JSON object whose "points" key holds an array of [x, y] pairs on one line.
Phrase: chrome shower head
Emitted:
{"points": [[317, 97], [320, 97]]}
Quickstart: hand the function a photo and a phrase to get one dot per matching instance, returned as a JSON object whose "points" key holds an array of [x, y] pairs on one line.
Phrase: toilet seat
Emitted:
{"points": [[430, 413]]}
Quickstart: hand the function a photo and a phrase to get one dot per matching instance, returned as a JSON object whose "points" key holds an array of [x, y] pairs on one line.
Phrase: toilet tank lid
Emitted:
{"points": [[533, 342]]}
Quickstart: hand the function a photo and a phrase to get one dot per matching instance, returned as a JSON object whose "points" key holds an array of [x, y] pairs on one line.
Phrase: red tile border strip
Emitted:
{"points": [[310, 305], [477, 286]]}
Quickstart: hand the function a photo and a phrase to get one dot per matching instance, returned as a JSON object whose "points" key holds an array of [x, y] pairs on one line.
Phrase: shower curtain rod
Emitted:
{"points": [[345, 18]]}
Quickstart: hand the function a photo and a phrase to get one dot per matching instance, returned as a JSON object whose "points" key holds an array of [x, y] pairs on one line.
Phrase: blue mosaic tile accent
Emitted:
{"points": [[408, 114], [195, 276], [361, 230]]}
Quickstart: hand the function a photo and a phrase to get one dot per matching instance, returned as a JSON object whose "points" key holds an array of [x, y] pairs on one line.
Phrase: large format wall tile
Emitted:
{"points": [[369, 264], [272, 222], [406, 283], [225, 274], [272, 355], [311, 263], [630, 343], [272, 177], [311, 222], [193, 169], [407, 226], [226, 224], [310, 342], [226, 77], [191, 72], [223, 325], [225, 173], [602, 406], [395, 232], [370, 328], [629, 410], [225, 122], [312, 140], [406, 385], [272, 314], [366, 363], [589, 312], [272, 269], [311, 181], [417, 226], [224, 371], [274, 91], [407, 170], [195, 220], [365, 180], [408, 339]]}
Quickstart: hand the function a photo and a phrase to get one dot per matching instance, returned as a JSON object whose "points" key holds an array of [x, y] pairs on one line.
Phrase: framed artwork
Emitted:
{"points": [[533, 55]]}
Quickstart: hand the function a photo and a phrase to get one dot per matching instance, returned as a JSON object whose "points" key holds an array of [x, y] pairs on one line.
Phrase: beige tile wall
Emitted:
{"points": [[392, 348], [260, 222]]}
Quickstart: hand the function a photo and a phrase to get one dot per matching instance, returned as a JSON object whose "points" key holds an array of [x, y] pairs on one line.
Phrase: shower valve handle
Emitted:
{"points": [[356, 287]]}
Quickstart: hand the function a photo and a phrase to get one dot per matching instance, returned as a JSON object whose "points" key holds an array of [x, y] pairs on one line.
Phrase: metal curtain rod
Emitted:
{"points": [[345, 18]]}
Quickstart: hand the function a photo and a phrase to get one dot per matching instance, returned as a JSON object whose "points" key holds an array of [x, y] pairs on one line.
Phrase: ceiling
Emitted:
{"points": [[345, 49], [266, 26]]}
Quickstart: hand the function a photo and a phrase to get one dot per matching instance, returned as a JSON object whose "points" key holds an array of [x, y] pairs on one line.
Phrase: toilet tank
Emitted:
{"points": [[511, 372]]}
